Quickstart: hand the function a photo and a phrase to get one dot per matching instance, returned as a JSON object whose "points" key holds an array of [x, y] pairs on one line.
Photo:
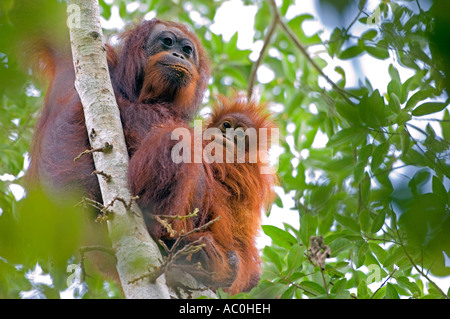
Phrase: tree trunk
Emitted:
{"points": [[134, 248]]}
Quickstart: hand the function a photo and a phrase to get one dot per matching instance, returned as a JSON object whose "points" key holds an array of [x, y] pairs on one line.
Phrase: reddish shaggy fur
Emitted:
{"points": [[235, 192]]}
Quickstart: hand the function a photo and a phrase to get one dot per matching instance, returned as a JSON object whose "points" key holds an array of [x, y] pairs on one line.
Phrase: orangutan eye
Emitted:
{"points": [[167, 41], [226, 125], [187, 49]]}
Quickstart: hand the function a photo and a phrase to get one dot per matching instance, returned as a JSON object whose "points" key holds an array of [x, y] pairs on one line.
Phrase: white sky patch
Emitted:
{"points": [[36, 276], [264, 74], [231, 17], [17, 190], [114, 22]]}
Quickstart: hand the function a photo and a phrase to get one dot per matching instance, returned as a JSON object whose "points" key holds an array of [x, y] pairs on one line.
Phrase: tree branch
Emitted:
{"points": [[256, 65], [343, 93]]}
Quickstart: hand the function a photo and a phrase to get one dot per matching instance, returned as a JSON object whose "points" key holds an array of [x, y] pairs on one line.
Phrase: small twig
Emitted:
{"points": [[165, 224], [425, 154], [258, 62], [180, 217], [430, 120], [389, 277], [420, 271], [123, 201], [200, 228], [439, 139], [162, 219], [361, 9], [303, 50], [106, 149], [106, 176], [104, 213], [86, 201], [324, 283]]}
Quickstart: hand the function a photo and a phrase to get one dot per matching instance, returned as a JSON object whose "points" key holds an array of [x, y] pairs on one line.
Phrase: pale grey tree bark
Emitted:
{"points": [[134, 248]]}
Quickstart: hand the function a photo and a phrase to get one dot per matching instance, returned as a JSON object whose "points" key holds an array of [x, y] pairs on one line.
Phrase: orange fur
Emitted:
{"points": [[249, 190]]}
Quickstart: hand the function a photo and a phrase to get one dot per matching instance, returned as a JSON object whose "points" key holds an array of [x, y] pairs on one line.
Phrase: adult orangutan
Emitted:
{"points": [[159, 73]]}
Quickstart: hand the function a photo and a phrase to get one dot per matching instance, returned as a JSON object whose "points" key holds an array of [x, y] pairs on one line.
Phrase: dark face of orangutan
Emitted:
{"points": [[171, 71]]}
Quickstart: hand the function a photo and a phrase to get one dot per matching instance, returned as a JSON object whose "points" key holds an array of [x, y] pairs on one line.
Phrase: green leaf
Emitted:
{"points": [[411, 84], [341, 71], [421, 177], [339, 245], [339, 288], [345, 136], [411, 286], [347, 111], [445, 126], [391, 292], [351, 52], [364, 220], [289, 293], [378, 221], [347, 222], [429, 108], [394, 103], [362, 291], [393, 72], [377, 52], [419, 96], [269, 290], [358, 172], [308, 228], [288, 69], [378, 155], [336, 41], [360, 254], [312, 288], [369, 34], [274, 257], [439, 189], [122, 9], [106, 10], [379, 252], [280, 237], [394, 255], [295, 257], [371, 110]]}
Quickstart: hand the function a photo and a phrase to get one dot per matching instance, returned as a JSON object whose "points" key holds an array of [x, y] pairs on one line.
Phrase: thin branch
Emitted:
{"points": [[439, 139], [123, 201], [106, 148], [425, 154], [258, 62], [107, 177], [343, 93], [86, 201], [354, 20], [387, 279], [430, 120], [420, 271]]}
